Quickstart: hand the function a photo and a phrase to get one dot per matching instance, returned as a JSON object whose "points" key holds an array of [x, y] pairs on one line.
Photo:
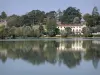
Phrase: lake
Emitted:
{"points": [[50, 57]]}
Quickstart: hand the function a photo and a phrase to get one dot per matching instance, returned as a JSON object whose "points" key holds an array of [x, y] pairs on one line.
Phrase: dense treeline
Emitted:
{"points": [[46, 22]]}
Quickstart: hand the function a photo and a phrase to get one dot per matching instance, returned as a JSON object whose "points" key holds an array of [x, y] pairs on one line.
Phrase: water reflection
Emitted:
{"points": [[69, 53]]}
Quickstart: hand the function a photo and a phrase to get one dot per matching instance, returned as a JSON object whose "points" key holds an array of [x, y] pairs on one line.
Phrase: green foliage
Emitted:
{"points": [[31, 33], [14, 20], [26, 31], [63, 33], [94, 19], [68, 30], [51, 15], [3, 31], [59, 15], [41, 29], [57, 31], [19, 31], [87, 31], [3, 15], [95, 11], [52, 33], [96, 16], [23, 26], [35, 17], [37, 33], [89, 20], [51, 27], [12, 32], [69, 14]]}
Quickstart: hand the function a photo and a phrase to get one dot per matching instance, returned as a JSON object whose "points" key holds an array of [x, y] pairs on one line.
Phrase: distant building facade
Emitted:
{"points": [[76, 28]]}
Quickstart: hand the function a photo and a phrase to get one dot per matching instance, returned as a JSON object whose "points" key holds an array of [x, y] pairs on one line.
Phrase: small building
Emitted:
{"points": [[76, 28]]}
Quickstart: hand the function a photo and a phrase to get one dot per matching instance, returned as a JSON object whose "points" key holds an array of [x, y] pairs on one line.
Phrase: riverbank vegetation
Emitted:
{"points": [[37, 23]]}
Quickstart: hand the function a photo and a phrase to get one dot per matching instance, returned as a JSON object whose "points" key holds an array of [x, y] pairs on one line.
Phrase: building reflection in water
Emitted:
{"points": [[76, 45], [68, 52]]}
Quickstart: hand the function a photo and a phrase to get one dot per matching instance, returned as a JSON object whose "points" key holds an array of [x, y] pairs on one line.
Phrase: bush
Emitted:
{"points": [[63, 34], [37, 33], [51, 33], [88, 35], [87, 31]]}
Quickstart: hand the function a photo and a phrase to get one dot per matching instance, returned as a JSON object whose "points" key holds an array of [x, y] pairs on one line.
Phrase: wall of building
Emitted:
{"points": [[77, 29]]}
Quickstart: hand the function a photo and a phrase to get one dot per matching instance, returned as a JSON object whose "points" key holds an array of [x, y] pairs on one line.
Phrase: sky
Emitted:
{"points": [[21, 7]]}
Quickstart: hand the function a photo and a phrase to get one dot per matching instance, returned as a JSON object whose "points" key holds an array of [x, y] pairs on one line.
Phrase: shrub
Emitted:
{"points": [[63, 34], [51, 33]]}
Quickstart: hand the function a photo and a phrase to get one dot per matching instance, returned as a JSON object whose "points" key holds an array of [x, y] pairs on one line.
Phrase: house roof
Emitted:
{"points": [[70, 25]]}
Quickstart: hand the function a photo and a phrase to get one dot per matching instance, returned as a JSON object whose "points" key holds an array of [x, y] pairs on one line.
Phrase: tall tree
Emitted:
{"points": [[51, 15], [69, 14], [3, 15], [14, 20], [95, 15], [59, 15], [95, 11], [36, 16], [89, 20], [51, 27]]}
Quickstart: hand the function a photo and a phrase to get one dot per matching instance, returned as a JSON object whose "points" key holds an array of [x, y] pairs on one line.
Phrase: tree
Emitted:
{"points": [[14, 20], [31, 34], [51, 15], [51, 26], [87, 31], [95, 11], [41, 29], [3, 15], [68, 30], [35, 17], [76, 20], [89, 20], [69, 14], [12, 32], [37, 33], [26, 31], [95, 15], [26, 20], [57, 31], [3, 32], [63, 33], [94, 19], [59, 15], [19, 31]]}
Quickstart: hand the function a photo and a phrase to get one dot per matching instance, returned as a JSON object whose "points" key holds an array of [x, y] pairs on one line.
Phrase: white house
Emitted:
{"points": [[76, 28]]}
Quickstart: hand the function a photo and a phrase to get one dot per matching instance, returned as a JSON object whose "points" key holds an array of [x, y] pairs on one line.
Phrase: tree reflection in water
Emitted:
{"points": [[41, 51]]}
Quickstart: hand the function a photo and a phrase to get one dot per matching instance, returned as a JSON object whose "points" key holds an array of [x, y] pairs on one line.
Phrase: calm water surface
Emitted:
{"points": [[50, 57]]}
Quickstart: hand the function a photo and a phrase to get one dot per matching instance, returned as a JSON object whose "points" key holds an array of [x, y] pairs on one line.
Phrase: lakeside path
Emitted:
{"points": [[53, 38]]}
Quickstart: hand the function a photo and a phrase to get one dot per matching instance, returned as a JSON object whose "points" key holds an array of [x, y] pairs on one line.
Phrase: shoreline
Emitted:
{"points": [[51, 38]]}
